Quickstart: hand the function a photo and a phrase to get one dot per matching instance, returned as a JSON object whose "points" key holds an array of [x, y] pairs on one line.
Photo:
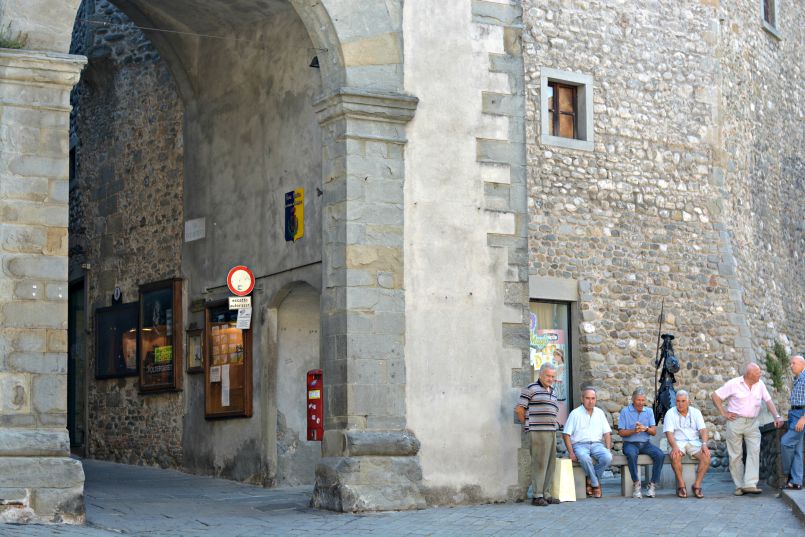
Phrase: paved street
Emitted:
{"points": [[133, 500]]}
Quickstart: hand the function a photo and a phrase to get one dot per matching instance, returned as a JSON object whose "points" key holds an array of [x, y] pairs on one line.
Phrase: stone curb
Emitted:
{"points": [[796, 499]]}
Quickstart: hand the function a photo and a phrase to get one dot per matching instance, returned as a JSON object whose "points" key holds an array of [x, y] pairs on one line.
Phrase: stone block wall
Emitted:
{"points": [[126, 216], [38, 480], [675, 201]]}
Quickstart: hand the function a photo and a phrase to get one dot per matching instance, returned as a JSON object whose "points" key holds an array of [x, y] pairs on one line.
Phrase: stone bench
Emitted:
{"points": [[627, 486]]}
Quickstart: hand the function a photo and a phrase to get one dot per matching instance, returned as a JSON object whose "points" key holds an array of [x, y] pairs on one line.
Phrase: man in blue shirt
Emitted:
{"points": [[791, 442], [636, 425]]}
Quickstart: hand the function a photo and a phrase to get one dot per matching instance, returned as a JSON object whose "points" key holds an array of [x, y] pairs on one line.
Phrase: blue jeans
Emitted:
{"points": [[586, 452], [791, 448], [633, 449]]}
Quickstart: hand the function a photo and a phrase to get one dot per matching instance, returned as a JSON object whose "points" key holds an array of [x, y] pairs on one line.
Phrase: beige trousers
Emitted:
{"points": [[543, 458], [742, 430]]}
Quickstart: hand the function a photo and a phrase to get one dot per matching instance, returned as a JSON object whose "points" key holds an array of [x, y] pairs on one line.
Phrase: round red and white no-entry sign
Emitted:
{"points": [[240, 280]]}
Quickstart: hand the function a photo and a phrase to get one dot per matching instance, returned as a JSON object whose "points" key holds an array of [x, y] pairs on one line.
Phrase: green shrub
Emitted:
{"points": [[777, 365]]}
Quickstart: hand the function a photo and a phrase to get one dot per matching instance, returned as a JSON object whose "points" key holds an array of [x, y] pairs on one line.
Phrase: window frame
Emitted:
{"points": [[177, 337], [214, 411], [556, 112], [584, 135], [772, 28], [569, 392]]}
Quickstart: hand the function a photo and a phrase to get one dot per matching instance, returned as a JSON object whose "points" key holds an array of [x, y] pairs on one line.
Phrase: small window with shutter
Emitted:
{"points": [[567, 109]]}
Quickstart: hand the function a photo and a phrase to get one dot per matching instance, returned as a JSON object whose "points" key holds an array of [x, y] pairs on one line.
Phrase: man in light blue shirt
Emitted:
{"points": [[636, 426]]}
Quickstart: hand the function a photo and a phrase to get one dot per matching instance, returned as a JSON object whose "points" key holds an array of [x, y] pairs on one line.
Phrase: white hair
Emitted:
{"points": [[547, 366]]}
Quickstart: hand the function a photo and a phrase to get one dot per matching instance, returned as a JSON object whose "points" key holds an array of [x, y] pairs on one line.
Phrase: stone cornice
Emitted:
{"points": [[40, 68], [355, 103], [46, 77]]}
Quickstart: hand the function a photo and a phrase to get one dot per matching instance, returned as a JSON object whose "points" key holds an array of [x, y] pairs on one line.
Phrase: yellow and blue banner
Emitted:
{"points": [[295, 214]]}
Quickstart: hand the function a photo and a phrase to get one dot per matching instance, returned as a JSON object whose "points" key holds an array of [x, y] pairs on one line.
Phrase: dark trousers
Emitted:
{"points": [[633, 449]]}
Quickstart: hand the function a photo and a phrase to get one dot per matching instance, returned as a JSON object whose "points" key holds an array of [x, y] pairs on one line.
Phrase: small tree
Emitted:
{"points": [[776, 365]]}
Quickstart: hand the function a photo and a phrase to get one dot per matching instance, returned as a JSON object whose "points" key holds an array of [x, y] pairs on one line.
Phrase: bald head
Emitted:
{"points": [[751, 373], [797, 364]]}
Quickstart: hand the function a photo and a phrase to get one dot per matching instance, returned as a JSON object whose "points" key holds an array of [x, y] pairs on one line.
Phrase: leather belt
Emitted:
{"points": [[797, 407]]}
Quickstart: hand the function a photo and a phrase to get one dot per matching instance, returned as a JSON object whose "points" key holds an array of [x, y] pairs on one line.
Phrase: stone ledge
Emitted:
{"points": [[40, 472], [383, 443], [34, 443], [41, 69], [358, 484], [362, 104]]}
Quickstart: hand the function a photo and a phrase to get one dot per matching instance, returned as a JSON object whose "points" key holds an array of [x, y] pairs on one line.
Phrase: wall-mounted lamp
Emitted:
{"points": [[314, 62]]}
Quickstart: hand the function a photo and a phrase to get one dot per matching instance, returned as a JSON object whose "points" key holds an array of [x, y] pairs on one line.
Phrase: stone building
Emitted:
{"points": [[485, 183]]}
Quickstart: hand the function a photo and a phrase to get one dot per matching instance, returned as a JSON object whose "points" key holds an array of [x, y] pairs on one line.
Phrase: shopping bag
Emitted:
{"points": [[563, 486]]}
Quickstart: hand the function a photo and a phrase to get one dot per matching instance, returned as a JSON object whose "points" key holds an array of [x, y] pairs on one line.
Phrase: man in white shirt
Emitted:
{"points": [[686, 433], [587, 436]]}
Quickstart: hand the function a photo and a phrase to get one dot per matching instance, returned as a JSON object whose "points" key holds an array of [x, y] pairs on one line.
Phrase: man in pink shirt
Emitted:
{"points": [[744, 396]]}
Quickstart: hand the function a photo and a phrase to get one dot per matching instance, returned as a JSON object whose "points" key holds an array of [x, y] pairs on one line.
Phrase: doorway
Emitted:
{"points": [[298, 352], [76, 368]]}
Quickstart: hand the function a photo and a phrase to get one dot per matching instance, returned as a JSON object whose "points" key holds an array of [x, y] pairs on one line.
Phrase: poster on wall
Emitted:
{"points": [[294, 215], [551, 345], [116, 341]]}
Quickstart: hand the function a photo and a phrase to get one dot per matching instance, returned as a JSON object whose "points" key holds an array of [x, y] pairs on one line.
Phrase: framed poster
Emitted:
{"points": [[160, 347], [116, 341], [195, 351], [227, 363]]}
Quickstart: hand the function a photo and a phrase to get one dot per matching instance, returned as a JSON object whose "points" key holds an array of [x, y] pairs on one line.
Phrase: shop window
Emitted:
{"points": [[566, 109], [550, 342], [116, 341], [769, 13], [161, 336], [227, 364]]}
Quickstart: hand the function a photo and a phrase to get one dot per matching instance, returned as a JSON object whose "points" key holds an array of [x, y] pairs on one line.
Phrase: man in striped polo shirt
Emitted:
{"points": [[537, 409]]}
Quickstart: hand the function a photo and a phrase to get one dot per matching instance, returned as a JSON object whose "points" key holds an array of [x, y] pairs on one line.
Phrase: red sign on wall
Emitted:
{"points": [[240, 280]]}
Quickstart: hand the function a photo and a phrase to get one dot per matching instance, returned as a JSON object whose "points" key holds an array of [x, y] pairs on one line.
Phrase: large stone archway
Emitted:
{"points": [[369, 459]]}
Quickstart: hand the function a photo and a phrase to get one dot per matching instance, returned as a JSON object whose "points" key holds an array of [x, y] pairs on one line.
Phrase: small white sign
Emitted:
{"points": [[195, 229], [215, 373], [225, 385], [244, 318], [240, 302]]}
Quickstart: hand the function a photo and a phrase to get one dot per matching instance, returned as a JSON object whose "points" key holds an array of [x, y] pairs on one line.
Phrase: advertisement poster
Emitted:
{"points": [[550, 345]]}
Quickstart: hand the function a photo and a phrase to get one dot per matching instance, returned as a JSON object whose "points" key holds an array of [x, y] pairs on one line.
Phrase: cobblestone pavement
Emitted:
{"points": [[133, 500]]}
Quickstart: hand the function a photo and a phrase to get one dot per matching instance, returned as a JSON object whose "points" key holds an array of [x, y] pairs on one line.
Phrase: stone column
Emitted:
{"points": [[38, 480], [369, 459]]}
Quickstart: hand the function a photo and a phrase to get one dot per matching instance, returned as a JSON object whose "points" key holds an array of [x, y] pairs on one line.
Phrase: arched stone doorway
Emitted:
{"points": [[361, 112], [294, 332]]}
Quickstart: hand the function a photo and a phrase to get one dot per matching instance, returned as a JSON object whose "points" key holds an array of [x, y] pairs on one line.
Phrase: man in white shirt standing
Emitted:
{"points": [[686, 433], [587, 436]]}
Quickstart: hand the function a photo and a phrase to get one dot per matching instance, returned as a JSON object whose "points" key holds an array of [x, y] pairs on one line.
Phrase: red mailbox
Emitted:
{"points": [[315, 401]]}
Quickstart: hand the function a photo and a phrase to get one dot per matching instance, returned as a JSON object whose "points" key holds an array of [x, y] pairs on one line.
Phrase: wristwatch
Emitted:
{"points": [[778, 417]]}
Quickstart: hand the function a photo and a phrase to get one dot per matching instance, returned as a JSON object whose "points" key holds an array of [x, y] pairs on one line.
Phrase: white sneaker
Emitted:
{"points": [[636, 492], [650, 490]]}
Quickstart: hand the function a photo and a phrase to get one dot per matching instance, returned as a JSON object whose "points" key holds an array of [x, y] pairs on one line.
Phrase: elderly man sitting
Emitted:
{"points": [[588, 436], [636, 425], [686, 433]]}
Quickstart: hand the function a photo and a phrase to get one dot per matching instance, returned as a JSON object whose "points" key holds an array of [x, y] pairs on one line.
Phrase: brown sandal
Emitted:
{"points": [[588, 487], [697, 491], [597, 491], [682, 492]]}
